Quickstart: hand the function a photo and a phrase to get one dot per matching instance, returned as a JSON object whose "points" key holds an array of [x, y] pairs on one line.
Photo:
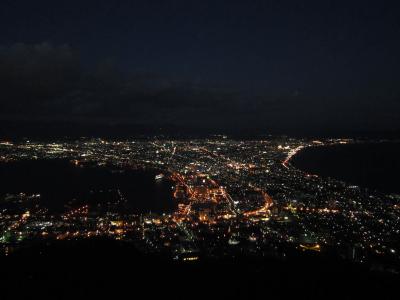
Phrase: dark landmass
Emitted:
{"points": [[50, 130]]}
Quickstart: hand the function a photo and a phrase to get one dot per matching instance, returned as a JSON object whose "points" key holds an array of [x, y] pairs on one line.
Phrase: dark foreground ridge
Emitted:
{"points": [[94, 269]]}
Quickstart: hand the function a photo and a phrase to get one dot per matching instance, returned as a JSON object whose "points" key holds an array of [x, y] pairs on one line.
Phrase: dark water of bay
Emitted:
{"points": [[371, 165], [59, 181]]}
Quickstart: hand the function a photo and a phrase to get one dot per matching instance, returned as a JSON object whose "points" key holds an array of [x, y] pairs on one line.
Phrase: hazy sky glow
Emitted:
{"points": [[285, 66]]}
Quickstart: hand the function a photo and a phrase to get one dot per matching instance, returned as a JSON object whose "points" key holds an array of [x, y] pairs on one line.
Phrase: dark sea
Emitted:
{"points": [[62, 184], [375, 166]]}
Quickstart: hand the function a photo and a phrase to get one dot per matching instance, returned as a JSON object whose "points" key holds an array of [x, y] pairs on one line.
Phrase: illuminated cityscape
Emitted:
{"points": [[230, 197], [199, 149]]}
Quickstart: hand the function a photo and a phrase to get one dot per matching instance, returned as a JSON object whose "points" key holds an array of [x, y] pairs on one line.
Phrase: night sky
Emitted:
{"points": [[288, 67]]}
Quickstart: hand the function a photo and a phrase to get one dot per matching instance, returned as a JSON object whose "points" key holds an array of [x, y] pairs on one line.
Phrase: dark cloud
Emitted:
{"points": [[32, 76], [43, 81], [49, 81]]}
